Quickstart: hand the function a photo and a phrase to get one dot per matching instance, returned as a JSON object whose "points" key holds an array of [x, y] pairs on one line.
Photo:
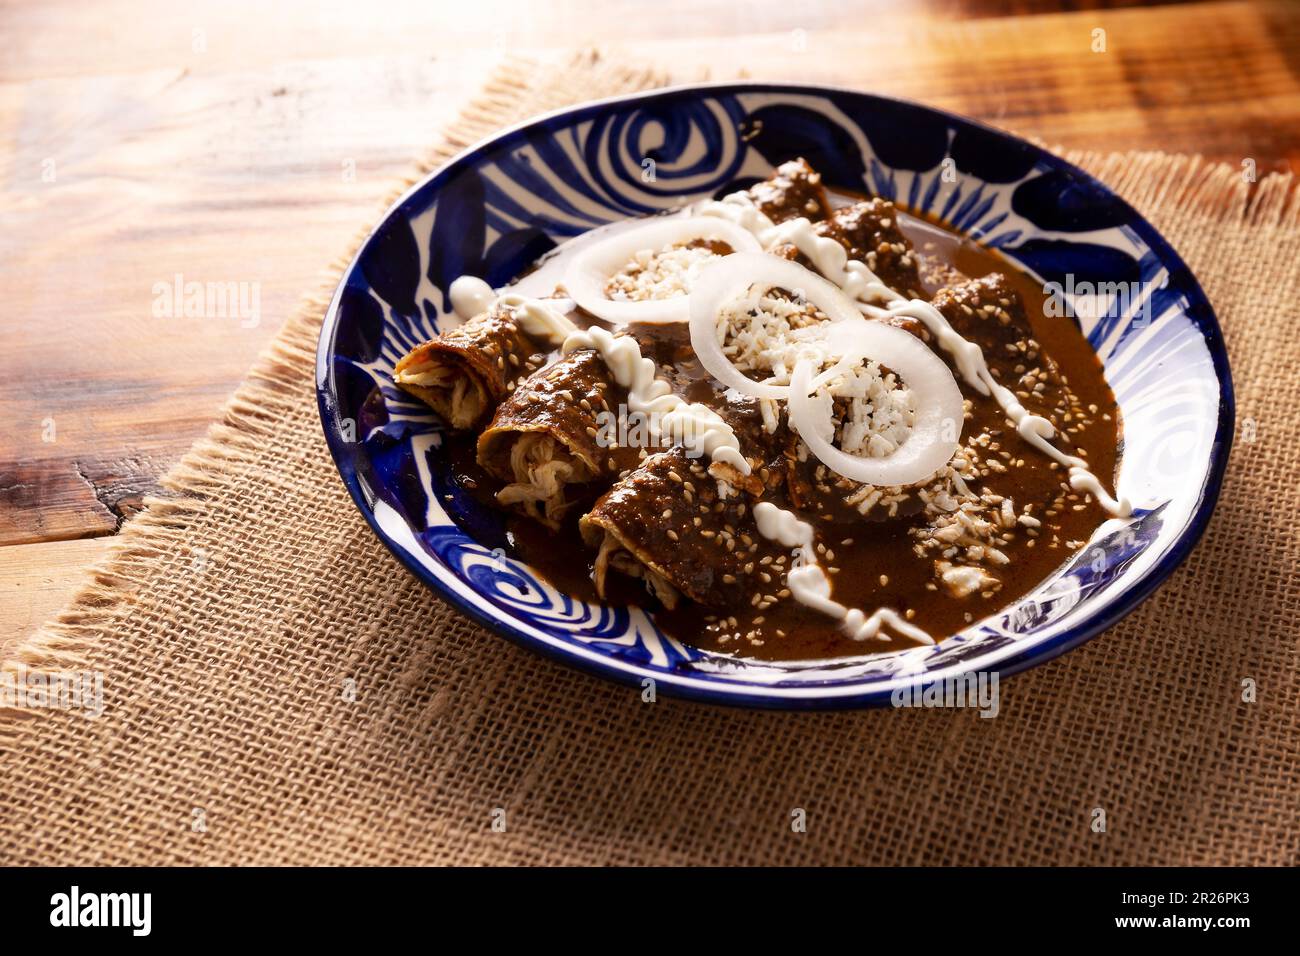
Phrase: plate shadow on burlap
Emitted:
{"points": [[231, 615]]}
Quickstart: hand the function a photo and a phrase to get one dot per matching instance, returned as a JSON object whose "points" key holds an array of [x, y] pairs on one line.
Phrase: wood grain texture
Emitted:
{"points": [[36, 580], [145, 145]]}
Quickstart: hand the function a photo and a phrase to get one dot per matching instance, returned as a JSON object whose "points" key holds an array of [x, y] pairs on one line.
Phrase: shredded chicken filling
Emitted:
{"points": [[612, 554], [454, 393], [543, 469]]}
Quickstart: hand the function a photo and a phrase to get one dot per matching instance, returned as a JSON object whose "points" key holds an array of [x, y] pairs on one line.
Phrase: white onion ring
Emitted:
{"points": [[937, 402], [587, 275], [733, 276]]}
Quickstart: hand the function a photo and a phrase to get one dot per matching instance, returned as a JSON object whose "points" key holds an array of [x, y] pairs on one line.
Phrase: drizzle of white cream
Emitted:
{"points": [[1035, 429], [860, 283], [698, 428], [810, 586], [539, 318]]}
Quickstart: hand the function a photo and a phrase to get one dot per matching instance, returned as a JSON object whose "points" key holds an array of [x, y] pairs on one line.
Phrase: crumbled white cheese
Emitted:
{"points": [[869, 412], [963, 580], [659, 274]]}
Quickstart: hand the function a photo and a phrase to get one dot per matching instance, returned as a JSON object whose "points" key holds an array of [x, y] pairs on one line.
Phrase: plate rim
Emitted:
{"points": [[849, 695]]}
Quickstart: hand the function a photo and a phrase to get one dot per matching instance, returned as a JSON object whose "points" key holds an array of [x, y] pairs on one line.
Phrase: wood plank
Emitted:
{"points": [[36, 580], [1218, 79], [249, 34], [260, 200]]}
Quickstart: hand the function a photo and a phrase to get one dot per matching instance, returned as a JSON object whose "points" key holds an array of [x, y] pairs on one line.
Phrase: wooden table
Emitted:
{"points": [[214, 140]]}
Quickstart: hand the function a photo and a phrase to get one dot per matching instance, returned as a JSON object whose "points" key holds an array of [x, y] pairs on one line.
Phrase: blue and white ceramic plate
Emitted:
{"points": [[498, 206]]}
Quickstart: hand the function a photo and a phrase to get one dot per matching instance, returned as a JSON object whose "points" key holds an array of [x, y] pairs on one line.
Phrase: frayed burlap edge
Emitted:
{"points": [[1192, 183], [1146, 179]]}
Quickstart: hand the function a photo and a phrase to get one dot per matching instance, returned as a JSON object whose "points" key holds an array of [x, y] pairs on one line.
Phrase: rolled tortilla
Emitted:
{"points": [[667, 523], [869, 233], [990, 312], [555, 440], [869, 230], [466, 371]]}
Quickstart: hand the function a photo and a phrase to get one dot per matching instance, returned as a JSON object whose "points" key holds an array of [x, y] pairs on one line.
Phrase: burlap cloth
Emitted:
{"points": [[230, 616]]}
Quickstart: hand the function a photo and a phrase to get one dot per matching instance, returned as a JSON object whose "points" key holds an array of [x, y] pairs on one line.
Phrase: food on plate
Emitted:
{"points": [[794, 422]]}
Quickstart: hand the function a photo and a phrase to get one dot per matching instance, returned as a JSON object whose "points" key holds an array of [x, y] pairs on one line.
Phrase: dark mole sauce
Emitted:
{"points": [[878, 545]]}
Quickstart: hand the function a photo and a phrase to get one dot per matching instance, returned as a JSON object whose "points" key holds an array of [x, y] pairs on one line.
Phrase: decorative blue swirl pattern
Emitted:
{"points": [[496, 209]]}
